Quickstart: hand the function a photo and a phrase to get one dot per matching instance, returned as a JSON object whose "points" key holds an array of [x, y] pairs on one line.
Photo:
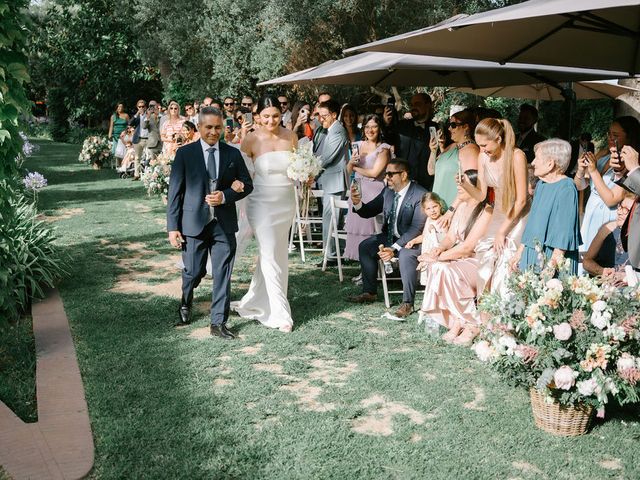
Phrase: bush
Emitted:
{"points": [[58, 115], [29, 261]]}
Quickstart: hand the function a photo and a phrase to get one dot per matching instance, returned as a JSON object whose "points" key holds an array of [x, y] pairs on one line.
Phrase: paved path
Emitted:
{"points": [[60, 444]]}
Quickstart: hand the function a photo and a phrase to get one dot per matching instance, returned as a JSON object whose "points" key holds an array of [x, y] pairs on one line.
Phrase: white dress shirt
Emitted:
{"points": [[216, 157]]}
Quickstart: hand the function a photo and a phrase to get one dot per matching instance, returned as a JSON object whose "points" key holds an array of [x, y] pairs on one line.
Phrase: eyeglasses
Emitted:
{"points": [[246, 104], [622, 209], [173, 108], [391, 174], [228, 104], [284, 103], [453, 125], [322, 117]]}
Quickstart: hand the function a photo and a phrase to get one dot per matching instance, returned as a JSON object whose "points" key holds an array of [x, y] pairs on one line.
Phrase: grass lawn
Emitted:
{"points": [[346, 395]]}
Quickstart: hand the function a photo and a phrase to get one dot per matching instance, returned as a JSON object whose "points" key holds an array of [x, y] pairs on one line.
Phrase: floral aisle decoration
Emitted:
{"points": [[573, 340], [304, 166], [95, 151], [155, 176]]}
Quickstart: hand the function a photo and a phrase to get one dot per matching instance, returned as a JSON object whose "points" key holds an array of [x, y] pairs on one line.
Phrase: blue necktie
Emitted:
{"points": [[392, 219], [211, 164]]}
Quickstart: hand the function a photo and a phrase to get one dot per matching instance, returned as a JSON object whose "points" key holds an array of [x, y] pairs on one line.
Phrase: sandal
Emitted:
{"points": [[466, 337]]}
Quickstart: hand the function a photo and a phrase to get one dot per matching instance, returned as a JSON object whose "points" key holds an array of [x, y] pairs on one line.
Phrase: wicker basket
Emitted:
{"points": [[566, 421]]}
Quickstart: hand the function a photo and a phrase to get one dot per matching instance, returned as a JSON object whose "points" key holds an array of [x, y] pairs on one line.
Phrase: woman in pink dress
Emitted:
{"points": [[368, 162], [502, 181], [452, 269], [171, 129]]}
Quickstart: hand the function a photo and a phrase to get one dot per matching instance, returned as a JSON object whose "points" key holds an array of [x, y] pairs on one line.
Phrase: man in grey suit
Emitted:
{"points": [[331, 144], [630, 234], [146, 135], [202, 218], [404, 219]]}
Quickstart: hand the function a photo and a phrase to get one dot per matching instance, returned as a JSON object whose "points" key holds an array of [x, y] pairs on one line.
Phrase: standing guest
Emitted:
{"points": [[208, 102], [323, 97], [450, 270], [217, 103], [411, 138], [605, 193], [117, 124], [460, 157], [631, 229], [606, 255], [171, 129], [190, 113], [229, 107], [527, 136], [349, 118], [146, 136], [403, 220], [286, 113], [503, 169], [553, 223], [301, 121], [368, 161], [579, 148], [247, 102], [332, 146]]}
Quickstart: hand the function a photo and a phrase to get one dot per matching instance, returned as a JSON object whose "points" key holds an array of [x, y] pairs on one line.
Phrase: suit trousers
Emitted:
{"points": [[139, 150], [222, 247], [326, 220], [408, 260]]}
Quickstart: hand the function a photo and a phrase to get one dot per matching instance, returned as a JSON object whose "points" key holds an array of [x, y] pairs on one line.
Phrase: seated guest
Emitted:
{"points": [[403, 220], [606, 254], [553, 223], [451, 269]]}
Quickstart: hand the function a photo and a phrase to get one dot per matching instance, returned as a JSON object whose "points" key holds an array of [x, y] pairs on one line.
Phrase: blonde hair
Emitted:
{"points": [[435, 198], [499, 128]]}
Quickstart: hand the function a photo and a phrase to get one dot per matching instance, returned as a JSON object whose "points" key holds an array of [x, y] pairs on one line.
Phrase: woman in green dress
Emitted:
{"points": [[117, 124], [460, 156], [552, 229]]}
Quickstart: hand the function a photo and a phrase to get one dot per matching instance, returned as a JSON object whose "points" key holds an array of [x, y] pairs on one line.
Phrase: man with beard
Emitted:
{"points": [[411, 137]]}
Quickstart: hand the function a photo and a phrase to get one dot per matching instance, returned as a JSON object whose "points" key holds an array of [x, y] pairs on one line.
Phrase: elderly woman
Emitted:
{"points": [[552, 228], [452, 269]]}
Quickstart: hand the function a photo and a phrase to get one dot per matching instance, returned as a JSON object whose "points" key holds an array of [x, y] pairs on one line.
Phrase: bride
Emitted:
{"points": [[270, 209]]}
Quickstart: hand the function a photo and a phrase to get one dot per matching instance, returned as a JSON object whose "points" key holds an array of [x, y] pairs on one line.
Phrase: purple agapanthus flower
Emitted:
{"points": [[34, 181]]}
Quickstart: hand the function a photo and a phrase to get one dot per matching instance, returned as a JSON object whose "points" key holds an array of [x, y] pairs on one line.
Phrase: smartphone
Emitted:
{"points": [[355, 148], [230, 123], [433, 132], [391, 102], [248, 118], [619, 165]]}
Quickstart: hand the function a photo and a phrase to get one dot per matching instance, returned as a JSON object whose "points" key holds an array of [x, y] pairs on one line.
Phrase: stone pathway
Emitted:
{"points": [[60, 444]]}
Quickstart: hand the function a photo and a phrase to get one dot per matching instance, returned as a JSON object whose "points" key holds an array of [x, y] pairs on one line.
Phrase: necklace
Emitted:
{"points": [[464, 144]]}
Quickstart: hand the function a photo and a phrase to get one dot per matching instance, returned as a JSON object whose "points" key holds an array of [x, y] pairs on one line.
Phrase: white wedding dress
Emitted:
{"points": [[270, 210]]}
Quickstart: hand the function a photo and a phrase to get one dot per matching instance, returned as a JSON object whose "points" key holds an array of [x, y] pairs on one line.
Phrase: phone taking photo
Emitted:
{"points": [[618, 166], [248, 118], [391, 102], [433, 133], [229, 123]]}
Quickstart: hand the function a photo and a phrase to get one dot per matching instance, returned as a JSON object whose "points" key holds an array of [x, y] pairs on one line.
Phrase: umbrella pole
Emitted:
{"points": [[568, 107]]}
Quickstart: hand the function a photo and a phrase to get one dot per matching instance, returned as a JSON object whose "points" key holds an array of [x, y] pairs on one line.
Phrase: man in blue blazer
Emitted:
{"points": [[201, 215], [401, 205]]}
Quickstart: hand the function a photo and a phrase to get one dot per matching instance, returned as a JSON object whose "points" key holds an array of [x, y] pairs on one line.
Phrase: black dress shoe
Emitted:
{"points": [[221, 331], [184, 315]]}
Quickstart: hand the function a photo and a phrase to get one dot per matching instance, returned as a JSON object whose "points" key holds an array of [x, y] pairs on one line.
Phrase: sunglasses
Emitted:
{"points": [[391, 174], [453, 125], [228, 104], [246, 104], [284, 103]]}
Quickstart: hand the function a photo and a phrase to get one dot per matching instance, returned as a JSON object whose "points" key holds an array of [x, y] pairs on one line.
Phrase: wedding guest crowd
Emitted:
{"points": [[454, 209]]}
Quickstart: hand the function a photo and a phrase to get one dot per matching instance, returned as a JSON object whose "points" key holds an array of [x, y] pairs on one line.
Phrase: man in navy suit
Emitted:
{"points": [[403, 221], [201, 215]]}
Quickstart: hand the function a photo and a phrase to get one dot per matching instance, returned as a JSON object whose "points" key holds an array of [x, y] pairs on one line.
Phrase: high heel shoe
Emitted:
{"points": [[466, 337], [452, 334]]}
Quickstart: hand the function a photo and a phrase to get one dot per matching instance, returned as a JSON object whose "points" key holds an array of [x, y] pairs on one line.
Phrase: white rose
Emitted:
{"points": [[562, 331], [554, 284], [587, 387], [626, 362], [565, 378], [599, 306], [509, 343], [484, 351], [598, 321]]}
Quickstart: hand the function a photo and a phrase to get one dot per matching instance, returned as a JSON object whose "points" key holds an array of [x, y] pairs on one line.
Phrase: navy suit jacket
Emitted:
{"points": [[187, 211], [411, 218]]}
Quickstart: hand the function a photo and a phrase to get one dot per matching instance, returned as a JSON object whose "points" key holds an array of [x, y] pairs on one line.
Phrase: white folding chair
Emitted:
{"points": [[306, 222], [335, 234], [382, 276]]}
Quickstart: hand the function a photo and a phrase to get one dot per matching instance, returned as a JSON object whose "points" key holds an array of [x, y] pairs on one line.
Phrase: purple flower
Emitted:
{"points": [[34, 181]]}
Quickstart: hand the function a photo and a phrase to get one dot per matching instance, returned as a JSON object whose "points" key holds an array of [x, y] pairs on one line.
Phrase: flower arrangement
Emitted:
{"points": [[156, 175], [573, 339], [304, 165], [95, 151]]}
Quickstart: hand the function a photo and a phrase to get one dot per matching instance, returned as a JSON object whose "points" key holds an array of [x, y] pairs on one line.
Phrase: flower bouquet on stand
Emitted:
{"points": [[96, 151], [573, 342], [155, 176]]}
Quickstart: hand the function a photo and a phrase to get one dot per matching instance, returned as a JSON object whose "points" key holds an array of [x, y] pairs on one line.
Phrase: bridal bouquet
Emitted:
{"points": [[573, 339], [304, 165], [155, 177], [95, 151]]}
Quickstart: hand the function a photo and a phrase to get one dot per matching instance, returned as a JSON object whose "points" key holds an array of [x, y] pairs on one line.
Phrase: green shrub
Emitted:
{"points": [[29, 261]]}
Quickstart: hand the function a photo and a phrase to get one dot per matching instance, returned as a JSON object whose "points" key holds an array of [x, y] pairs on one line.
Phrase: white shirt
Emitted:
{"points": [[216, 157]]}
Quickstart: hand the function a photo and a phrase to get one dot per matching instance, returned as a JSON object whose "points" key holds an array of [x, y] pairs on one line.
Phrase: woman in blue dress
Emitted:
{"points": [[605, 194], [552, 228]]}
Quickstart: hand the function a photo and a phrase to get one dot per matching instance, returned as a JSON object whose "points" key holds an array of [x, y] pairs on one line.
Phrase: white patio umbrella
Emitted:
{"points": [[602, 34], [391, 69], [545, 92]]}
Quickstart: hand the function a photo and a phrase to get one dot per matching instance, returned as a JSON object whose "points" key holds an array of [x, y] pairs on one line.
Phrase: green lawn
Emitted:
{"points": [[346, 395]]}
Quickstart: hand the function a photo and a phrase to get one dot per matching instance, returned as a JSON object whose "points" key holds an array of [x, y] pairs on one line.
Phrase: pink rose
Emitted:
{"points": [[564, 378], [562, 331]]}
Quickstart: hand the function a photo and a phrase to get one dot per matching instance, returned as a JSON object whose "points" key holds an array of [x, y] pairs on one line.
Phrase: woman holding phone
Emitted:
{"points": [[605, 194], [369, 159], [301, 121]]}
